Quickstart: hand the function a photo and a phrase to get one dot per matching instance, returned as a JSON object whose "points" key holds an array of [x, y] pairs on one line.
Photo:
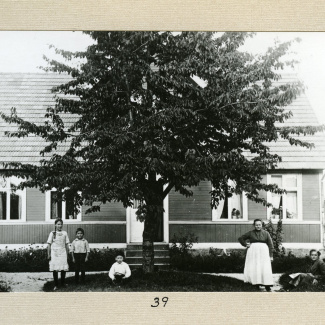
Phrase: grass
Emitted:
{"points": [[159, 281]]}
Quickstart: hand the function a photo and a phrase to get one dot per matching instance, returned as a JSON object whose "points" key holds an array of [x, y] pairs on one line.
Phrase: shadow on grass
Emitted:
{"points": [[159, 281]]}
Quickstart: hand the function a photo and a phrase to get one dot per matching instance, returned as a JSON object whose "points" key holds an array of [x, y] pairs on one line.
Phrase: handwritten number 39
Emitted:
{"points": [[164, 300]]}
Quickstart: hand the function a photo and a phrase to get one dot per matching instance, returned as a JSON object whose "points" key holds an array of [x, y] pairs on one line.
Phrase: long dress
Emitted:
{"points": [[59, 259], [258, 269]]}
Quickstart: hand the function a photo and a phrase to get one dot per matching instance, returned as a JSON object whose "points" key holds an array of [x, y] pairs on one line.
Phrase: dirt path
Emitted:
{"points": [[240, 276], [29, 282]]}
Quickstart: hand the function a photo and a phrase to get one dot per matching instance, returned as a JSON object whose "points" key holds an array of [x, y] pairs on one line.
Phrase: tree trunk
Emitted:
{"points": [[154, 209]]}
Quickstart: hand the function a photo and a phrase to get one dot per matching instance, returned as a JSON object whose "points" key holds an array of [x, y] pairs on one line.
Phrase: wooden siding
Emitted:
{"points": [[210, 233], [38, 233], [301, 233], [229, 233], [257, 210], [35, 205], [196, 207], [310, 197], [112, 211]]}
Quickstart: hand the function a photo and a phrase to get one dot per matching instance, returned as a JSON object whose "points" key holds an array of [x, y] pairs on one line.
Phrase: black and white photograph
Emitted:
{"points": [[162, 161]]}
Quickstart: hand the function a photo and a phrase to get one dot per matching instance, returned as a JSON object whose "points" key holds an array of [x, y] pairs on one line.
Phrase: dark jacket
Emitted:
{"points": [[318, 269], [255, 236]]}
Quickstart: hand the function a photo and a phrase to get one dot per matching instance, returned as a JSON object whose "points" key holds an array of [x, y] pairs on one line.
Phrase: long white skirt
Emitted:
{"points": [[258, 269]]}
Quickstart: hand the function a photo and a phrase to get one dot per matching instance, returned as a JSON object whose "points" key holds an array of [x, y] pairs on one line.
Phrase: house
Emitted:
{"points": [[27, 216]]}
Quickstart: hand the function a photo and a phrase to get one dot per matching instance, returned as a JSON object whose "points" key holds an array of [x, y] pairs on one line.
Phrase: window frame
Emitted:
{"points": [[7, 189], [297, 189], [48, 209], [229, 219]]}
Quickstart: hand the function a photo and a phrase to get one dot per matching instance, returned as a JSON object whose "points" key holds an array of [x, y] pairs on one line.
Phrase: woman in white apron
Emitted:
{"points": [[258, 269]]}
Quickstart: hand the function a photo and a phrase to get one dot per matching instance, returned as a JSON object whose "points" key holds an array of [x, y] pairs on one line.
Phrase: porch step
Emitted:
{"points": [[138, 246], [138, 260], [133, 256], [138, 253], [160, 267]]}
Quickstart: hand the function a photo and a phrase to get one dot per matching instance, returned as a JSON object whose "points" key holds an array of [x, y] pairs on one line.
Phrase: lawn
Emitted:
{"points": [[159, 281]]}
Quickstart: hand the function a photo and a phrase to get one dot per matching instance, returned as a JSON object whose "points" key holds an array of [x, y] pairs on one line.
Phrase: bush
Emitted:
{"points": [[215, 261], [182, 243], [34, 259], [212, 262], [100, 259], [31, 259], [290, 263], [276, 234]]}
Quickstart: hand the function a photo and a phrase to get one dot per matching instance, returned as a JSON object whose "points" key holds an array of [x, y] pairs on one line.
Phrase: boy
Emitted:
{"points": [[119, 270], [80, 254]]}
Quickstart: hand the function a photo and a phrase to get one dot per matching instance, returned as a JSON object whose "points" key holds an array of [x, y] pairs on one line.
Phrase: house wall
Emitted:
{"points": [[196, 207], [188, 219], [112, 211], [187, 215], [229, 233], [35, 209], [38, 233]]}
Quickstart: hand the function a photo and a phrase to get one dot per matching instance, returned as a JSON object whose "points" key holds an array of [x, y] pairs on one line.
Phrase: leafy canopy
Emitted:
{"points": [[143, 124]]}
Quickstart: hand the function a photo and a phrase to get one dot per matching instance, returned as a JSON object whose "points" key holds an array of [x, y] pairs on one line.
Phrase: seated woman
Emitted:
{"points": [[315, 272]]}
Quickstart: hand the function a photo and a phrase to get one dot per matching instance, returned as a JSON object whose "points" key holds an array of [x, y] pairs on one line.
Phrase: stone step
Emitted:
{"points": [[157, 266], [138, 246], [138, 253], [138, 260]]}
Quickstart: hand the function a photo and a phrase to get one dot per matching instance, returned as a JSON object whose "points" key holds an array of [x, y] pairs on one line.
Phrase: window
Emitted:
{"points": [[56, 208], [289, 205], [233, 208], [12, 204]]}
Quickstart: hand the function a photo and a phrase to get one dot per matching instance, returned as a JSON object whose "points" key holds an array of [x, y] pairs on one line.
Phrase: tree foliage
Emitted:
{"points": [[143, 126]]}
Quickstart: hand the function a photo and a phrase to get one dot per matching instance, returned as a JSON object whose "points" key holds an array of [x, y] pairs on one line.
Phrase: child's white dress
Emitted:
{"points": [[59, 259]]}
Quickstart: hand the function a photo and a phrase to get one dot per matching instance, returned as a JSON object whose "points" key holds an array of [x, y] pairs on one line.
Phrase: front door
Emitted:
{"points": [[136, 227]]}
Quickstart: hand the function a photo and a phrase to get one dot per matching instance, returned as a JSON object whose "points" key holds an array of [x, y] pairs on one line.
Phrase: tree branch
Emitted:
{"points": [[167, 189]]}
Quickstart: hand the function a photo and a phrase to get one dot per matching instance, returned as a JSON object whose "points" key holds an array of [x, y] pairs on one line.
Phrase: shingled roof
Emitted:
{"points": [[31, 94]]}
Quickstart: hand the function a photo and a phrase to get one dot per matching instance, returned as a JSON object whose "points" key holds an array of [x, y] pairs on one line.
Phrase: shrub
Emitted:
{"points": [[34, 259], [30, 259], [214, 262], [100, 259], [182, 243], [276, 234], [290, 263]]}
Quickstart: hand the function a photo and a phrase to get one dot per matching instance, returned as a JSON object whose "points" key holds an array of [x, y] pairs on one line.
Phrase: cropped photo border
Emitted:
{"points": [[182, 308]]}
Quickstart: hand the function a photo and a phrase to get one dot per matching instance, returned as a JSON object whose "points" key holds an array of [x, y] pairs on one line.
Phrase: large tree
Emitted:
{"points": [[143, 126]]}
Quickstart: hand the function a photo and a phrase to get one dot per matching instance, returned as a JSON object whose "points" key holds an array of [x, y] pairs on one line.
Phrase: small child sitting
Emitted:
{"points": [[119, 270]]}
